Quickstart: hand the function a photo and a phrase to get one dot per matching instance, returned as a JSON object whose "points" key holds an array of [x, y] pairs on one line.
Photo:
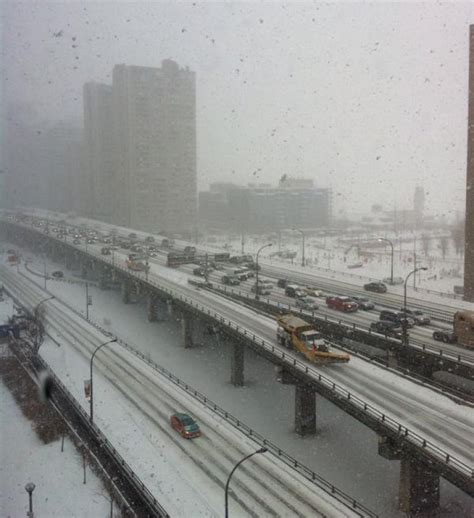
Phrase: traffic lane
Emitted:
{"points": [[389, 300]]}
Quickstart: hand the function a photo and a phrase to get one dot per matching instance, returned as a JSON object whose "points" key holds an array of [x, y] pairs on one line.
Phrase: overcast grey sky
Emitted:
{"points": [[367, 98]]}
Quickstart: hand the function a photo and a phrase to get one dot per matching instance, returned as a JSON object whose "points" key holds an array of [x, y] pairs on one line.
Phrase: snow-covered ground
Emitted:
{"points": [[58, 476], [334, 256], [343, 451]]}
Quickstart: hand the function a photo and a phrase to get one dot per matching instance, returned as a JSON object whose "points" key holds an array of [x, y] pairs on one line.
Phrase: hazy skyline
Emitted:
{"points": [[369, 99]]}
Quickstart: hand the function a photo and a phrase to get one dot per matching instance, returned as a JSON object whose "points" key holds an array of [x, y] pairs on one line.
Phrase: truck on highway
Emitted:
{"points": [[135, 262], [295, 333], [462, 332]]}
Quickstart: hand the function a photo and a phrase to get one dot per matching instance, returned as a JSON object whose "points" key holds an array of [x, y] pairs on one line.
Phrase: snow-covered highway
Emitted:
{"points": [[265, 487]]}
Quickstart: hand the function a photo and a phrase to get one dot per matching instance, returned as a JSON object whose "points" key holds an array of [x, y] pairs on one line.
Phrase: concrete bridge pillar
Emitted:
{"points": [[419, 484], [70, 261], [188, 324], [103, 274], [237, 365], [305, 409], [419, 487], [169, 307], [152, 308], [126, 291]]}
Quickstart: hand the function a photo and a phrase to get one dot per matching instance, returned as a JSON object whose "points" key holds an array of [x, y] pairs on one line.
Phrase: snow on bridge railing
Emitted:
{"points": [[403, 432]]}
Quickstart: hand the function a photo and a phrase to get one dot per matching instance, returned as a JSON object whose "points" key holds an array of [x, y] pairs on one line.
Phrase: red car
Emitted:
{"points": [[185, 425], [341, 303]]}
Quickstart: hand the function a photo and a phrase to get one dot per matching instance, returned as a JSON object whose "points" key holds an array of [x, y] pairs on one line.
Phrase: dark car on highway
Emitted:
{"points": [[396, 316], [442, 335], [230, 280], [377, 287], [387, 327], [418, 316], [364, 303]]}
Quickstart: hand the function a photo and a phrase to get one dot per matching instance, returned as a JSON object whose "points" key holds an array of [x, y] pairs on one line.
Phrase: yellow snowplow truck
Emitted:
{"points": [[294, 333]]}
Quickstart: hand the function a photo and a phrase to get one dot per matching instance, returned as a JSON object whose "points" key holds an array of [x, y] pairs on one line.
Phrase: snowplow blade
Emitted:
{"points": [[322, 358]]}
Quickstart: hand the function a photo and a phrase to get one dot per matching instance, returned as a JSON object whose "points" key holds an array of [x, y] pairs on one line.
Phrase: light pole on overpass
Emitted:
{"points": [[381, 239], [302, 255], [404, 321], [257, 296], [92, 383], [261, 450]]}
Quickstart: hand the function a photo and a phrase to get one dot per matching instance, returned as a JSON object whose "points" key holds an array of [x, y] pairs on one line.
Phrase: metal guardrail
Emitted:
{"points": [[290, 461], [336, 390]]}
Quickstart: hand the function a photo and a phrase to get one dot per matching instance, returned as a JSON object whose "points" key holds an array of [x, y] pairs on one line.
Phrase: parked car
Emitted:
{"points": [[282, 283], [377, 287], [57, 274], [442, 335], [230, 280], [185, 425], [396, 316], [364, 303], [387, 327], [418, 316], [394, 281], [308, 303], [341, 303], [150, 239]]}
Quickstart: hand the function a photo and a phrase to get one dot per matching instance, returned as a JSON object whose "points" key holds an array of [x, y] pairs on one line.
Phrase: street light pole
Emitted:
{"points": [[92, 383], [404, 321], [302, 255], [391, 266], [41, 302], [30, 487], [261, 450], [257, 297]]}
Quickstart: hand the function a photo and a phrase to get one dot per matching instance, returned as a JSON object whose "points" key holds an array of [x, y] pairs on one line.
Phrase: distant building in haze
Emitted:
{"points": [[98, 179], [155, 184], [260, 208]]}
